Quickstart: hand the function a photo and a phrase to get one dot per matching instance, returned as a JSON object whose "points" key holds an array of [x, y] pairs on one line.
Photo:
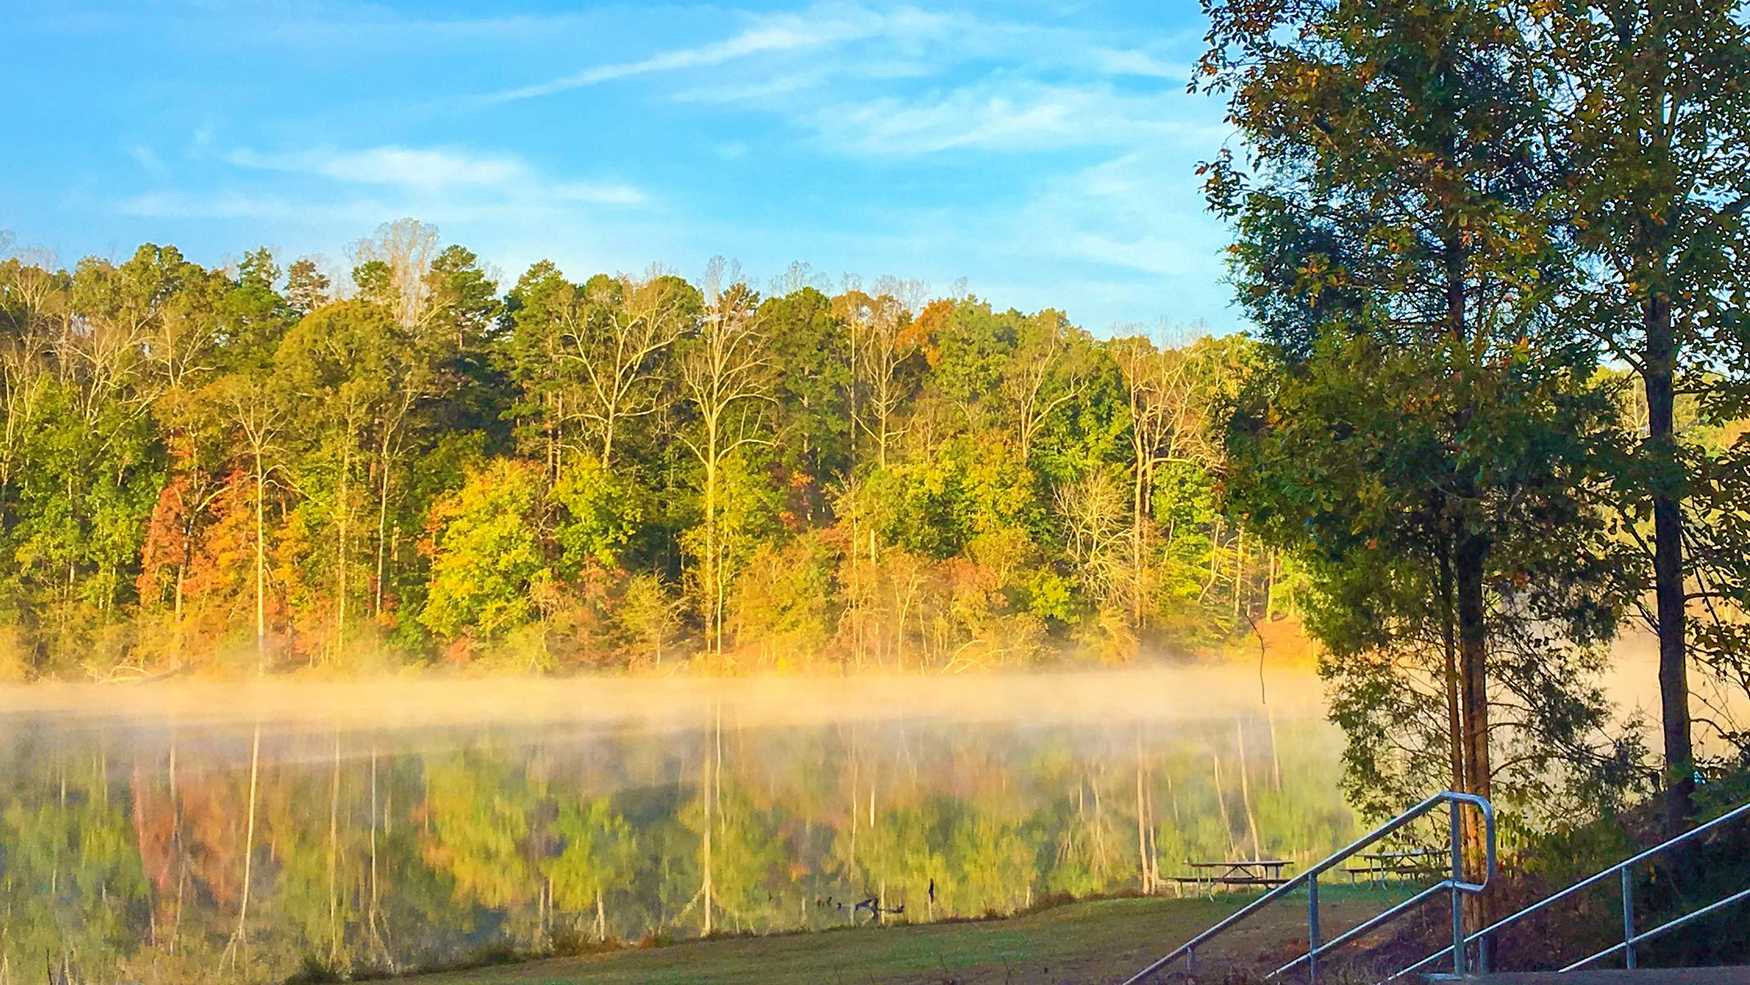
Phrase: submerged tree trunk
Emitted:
{"points": [[235, 950], [334, 934], [710, 822], [1147, 880], [1221, 802], [1246, 790]]}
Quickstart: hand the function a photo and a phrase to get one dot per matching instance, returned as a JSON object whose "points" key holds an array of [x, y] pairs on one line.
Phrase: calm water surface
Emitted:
{"points": [[151, 847]]}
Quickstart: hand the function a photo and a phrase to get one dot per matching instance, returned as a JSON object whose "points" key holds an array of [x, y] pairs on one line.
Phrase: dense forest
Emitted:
{"points": [[1479, 432], [255, 467], [1486, 420]]}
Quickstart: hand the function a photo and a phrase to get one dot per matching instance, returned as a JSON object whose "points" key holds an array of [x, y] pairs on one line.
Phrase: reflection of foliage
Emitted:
{"points": [[993, 865], [70, 865], [749, 856], [480, 814], [598, 857], [503, 844]]}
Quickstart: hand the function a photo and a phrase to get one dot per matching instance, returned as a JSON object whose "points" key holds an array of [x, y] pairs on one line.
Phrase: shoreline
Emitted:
{"points": [[1161, 692]]}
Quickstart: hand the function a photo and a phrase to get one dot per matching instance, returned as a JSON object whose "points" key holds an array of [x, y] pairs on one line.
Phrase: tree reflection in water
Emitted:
{"points": [[125, 849]]}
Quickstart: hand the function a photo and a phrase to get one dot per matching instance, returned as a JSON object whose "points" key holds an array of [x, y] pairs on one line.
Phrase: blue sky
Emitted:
{"points": [[1042, 152]]}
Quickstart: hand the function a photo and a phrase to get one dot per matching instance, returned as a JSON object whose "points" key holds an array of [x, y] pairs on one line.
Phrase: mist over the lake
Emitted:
{"points": [[393, 824]]}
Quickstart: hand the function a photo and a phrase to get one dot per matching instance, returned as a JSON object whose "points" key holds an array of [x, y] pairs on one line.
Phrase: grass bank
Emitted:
{"points": [[1094, 941]]}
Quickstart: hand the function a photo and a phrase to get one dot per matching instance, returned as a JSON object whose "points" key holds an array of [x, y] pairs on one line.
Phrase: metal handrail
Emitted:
{"points": [[1622, 870], [1454, 884]]}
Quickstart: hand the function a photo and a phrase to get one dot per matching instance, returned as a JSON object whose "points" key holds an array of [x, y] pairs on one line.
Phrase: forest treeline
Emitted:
{"points": [[252, 467], [1487, 420]]}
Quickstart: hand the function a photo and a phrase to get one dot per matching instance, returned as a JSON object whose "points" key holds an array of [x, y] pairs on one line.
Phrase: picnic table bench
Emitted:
{"points": [[1378, 865], [1264, 872]]}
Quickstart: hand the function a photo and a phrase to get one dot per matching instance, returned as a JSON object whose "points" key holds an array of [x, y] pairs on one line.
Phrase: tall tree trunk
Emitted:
{"points": [[1137, 530], [1468, 567], [1449, 647], [1470, 556], [260, 570], [345, 505], [1668, 565], [382, 531], [1270, 590], [181, 577], [1239, 570], [713, 631]]}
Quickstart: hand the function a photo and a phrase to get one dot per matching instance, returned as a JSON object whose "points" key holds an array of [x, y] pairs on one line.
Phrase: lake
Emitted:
{"points": [[243, 832]]}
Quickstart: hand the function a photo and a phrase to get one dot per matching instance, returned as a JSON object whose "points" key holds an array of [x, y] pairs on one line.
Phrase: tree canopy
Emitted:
{"points": [[414, 463]]}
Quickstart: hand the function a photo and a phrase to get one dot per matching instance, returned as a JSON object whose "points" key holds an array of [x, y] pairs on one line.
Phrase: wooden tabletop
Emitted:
{"points": [[1246, 866]]}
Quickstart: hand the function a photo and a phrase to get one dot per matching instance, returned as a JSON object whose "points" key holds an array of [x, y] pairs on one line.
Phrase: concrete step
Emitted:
{"points": [[1641, 976]]}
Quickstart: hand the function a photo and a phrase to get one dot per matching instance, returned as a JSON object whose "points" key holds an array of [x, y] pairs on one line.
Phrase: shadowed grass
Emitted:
{"points": [[1100, 940]]}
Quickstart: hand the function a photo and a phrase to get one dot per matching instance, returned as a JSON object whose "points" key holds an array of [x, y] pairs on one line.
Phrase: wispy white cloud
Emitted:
{"points": [[978, 142], [1141, 64], [359, 187], [423, 168], [904, 82], [595, 193], [147, 159], [1139, 212], [1010, 114], [815, 27], [784, 91], [323, 24], [435, 169], [231, 204], [768, 92]]}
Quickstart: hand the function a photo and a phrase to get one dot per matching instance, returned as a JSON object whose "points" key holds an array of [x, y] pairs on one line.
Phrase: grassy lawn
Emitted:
{"points": [[1097, 941]]}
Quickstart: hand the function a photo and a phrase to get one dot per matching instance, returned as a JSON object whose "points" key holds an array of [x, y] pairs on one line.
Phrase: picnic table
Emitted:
{"points": [[1413, 861], [1235, 873]]}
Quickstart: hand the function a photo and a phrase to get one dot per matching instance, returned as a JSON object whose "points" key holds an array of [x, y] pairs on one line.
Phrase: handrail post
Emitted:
{"points": [[1457, 895], [1628, 918], [1456, 884]]}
